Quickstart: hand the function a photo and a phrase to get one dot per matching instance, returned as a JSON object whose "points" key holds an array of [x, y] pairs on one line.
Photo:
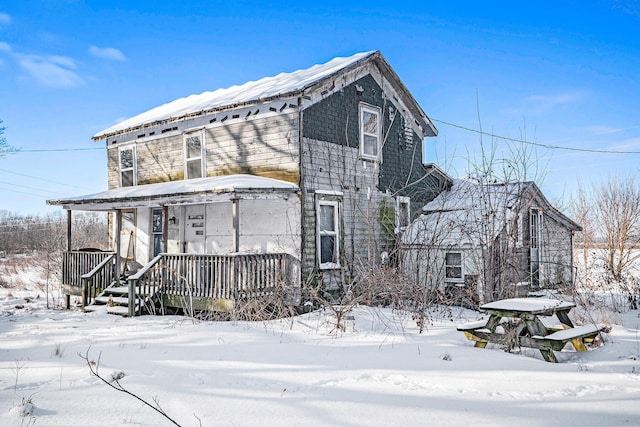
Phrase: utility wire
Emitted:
{"points": [[45, 180], [24, 192], [50, 150], [31, 188], [523, 141], [481, 132]]}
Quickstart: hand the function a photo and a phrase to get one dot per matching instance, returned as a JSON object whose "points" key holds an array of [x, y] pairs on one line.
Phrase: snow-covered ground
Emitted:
{"points": [[300, 372]]}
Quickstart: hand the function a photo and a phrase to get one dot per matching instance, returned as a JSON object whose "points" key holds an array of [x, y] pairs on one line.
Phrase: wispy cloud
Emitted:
{"points": [[51, 71], [551, 101], [629, 144], [4, 47], [4, 19], [542, 104], [107, 53]]}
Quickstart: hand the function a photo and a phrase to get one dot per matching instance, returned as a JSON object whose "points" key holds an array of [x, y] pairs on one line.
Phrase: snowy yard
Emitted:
{"points": [[298, 372]]}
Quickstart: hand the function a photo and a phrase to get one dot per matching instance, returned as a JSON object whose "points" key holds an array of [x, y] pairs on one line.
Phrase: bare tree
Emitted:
{"points": [[585, 239], [617, 218]]}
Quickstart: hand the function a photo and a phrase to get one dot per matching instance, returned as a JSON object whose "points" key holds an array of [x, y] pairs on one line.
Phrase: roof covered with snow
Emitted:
{"points": [[263, 90], [253, 91], [464, 215], [471, 214], [177, 189]]}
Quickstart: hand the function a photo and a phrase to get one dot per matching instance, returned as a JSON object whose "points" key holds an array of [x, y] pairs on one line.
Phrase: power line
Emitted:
{"points": [[45, 180], [537, 144], [50, 150], [30, 188], [24, 192]]}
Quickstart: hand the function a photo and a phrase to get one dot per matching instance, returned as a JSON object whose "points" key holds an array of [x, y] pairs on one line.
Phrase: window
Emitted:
{"points": [[193, 148], [534, 228], [157, 228], [535, 222], [453, 267], [328, 244], [127, 162], [403, 212], [369, 132]]}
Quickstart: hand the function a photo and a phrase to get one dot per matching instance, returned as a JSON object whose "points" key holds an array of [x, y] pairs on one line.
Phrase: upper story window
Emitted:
{"points": [[127, 164], [328, 243], [370, 131], [193, 155]]}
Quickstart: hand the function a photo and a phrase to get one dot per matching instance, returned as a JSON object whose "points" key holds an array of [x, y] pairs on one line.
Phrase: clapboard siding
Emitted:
{"points": [[265, 146], [335, 169], [556, 257]]}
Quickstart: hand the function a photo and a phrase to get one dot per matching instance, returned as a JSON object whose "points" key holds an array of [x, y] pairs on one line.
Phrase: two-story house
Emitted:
{"points": [[304, 177]]}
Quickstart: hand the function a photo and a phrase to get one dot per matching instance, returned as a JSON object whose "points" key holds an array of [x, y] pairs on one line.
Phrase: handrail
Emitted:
{"points": [[98, 267], [133, 279], [97, 279], [147, 267]]}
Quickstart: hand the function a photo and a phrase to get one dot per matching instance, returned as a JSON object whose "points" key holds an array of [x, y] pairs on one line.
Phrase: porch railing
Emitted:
{"points": [[85, 272], [98, 279], [228, 276]]}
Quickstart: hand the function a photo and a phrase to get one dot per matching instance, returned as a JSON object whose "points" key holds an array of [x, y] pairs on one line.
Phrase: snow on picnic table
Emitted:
{"points": [[527, 304], [298, 372]]}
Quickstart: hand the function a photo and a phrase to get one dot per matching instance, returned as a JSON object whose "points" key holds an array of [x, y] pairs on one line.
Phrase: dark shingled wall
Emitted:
{"points": [[335, 119]]}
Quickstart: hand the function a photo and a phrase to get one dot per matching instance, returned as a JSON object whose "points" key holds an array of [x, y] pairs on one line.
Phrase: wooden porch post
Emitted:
{"points": [[236, 224], [68, 230], [118, 240]]}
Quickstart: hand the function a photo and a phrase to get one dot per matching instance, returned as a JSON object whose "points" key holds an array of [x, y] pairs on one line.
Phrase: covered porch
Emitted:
{"points": [[213, 240]]}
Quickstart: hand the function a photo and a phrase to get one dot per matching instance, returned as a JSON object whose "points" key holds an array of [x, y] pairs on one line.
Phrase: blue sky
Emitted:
{"points": [[557, 73]]}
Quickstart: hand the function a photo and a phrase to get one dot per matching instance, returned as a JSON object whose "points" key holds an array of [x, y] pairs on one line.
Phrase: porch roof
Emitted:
{"points": [[200, 190]]}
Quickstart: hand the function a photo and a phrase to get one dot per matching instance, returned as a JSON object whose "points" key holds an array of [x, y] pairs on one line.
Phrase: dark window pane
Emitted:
{"points": [[370, 122], [157, 221], [327, 249], [194, 169], [126, 159], [327, 222], [370, 145], [157, 244], [127, 178], [194, 147]]}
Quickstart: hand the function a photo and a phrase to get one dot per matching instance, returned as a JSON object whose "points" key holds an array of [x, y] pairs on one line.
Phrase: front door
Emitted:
{"points": [[194, 229]]}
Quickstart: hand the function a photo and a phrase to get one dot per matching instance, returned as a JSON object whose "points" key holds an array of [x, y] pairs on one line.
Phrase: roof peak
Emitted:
{"points": [[252, 91]]}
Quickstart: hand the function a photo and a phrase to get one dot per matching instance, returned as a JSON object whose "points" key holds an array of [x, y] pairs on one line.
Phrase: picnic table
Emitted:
{"points": [[517, 321]]}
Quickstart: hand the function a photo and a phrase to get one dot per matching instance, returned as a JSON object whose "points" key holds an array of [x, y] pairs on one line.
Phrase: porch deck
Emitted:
{"points": [[211, 281]]}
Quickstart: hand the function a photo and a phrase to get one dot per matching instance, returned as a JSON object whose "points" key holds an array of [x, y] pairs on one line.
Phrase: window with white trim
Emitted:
{"points": [[370, 131], [453, 267], [328, 233], [193, 155], [127, 166], [403, 212]]}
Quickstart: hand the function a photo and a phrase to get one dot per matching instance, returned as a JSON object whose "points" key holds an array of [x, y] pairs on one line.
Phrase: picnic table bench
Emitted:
{"points": [[518, 321]]}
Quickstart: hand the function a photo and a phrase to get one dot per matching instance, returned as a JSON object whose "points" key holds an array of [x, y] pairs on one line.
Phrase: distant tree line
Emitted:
{"points": [[28, 233]]}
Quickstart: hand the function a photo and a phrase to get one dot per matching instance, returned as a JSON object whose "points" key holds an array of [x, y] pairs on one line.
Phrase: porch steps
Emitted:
{"points": [[115, 300]]}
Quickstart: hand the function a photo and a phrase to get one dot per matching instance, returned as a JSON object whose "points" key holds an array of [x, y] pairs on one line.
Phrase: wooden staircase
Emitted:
{"points": [[115, 300]]}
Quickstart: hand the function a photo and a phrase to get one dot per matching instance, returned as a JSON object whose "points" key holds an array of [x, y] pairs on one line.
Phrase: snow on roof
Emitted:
{"points": [[265, 88], [467, 214], [217, 184]]}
